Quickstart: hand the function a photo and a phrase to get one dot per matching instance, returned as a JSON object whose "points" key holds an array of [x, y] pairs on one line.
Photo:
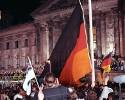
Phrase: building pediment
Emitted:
{"points": [[21, 28], [52, 6]]}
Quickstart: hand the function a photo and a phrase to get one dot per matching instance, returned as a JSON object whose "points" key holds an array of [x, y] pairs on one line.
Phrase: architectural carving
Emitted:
{"points": [[109, 33]]}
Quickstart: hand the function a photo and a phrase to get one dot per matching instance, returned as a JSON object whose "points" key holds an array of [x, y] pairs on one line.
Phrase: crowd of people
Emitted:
{"points": [[51, 89], [17, 74], [117, 64]]}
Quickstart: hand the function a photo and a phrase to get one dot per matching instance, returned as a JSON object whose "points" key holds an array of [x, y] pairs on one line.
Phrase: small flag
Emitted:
{"points": [[29, 76], [105, 92], [106, 63]]}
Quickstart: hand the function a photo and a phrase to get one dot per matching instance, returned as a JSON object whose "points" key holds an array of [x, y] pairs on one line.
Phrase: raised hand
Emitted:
{"points": [[106, 80], [40, 93]]}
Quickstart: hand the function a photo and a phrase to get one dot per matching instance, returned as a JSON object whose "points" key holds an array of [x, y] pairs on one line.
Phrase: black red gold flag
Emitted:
{"points": [[70, 59], [106, 63]]}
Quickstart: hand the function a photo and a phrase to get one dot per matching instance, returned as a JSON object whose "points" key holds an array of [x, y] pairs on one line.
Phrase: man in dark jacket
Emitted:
{"points": [[52, 90], [57, 93]]}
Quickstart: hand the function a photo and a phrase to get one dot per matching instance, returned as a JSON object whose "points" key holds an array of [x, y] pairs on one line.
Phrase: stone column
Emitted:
{"points": [[103, 32], [122, 35], [109, 32], [11, 52], [33, 49], [51, 32], [44, 42], [30, 42], [2, 51], [8, 53], [123, 38], [0, 58], [37, 42], [12, 46], [19, 53], [22, 62], [98, 34], [56, 32], [55, 29], [116, 32]]}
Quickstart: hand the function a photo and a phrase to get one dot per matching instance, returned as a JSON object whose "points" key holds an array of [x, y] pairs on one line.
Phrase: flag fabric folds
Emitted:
{"points": [[70, 59], [29, 76], [106, 63]]}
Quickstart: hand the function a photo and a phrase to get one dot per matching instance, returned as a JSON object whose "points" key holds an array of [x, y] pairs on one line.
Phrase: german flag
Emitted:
{"points": [[106, 63], [70, 59]]}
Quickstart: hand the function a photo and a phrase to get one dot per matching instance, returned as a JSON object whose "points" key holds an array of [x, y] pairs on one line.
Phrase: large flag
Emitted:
{"points": [[70, 59], [106, 63], [29, 76]]}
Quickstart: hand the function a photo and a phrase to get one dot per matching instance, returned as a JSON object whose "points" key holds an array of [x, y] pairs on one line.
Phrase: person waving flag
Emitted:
{"points": [[29, 76], [106, 63], [70, 58]]}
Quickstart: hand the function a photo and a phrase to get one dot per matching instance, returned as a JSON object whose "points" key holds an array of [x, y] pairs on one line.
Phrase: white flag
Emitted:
{"points": [[29, 76], [105, 92]]}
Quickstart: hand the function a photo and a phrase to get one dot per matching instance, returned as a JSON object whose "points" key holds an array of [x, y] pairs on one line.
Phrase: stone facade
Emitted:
{"points": [[16, 43], [49, 21], [107, 24]]}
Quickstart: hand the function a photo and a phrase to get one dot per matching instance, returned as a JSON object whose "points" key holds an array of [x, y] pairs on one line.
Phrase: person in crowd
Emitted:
{"points": [[99, 61], [4, 96], [111, 96], [50, 81], [106, 90], [52, 90], [92, 95], [20, 94], [40, 94], [80, 91], [73, 95], [121, 64], [34, 91]]}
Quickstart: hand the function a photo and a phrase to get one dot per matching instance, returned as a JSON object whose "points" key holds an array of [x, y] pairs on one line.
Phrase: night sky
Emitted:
{"points": [[18, 10]]}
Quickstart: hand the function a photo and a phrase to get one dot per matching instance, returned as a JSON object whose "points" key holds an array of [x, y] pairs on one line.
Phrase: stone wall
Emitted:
{"points": [[15, 54]]}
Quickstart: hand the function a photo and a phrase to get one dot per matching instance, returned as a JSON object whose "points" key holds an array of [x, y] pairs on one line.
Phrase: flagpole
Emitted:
{"points": [[34, 72], [91, 42]]}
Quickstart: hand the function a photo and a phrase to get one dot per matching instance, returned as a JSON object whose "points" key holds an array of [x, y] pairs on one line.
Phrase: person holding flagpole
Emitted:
{"points": [[52, 89], [30, 74], [40, 94]]}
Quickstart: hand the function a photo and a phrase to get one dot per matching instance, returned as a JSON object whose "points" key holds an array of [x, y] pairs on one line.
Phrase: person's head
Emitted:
{"points": [[110, 95], [21, 91], [50, 79], [72, 95], [34, 88]]}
